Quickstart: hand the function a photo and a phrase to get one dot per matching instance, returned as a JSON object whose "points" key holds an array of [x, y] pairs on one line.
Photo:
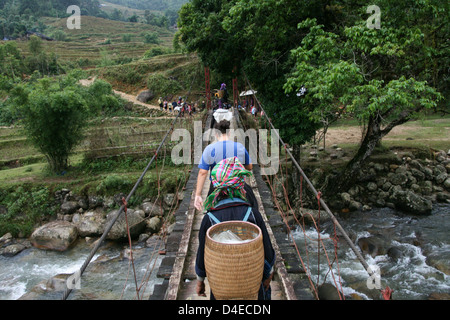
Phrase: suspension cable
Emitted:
{"points": [[313, 189], [108, 228]]}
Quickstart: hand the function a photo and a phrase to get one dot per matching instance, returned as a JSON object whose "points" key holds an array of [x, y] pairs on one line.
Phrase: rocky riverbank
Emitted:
{"points": [[87, 216], [408, 185], [404, 183]]}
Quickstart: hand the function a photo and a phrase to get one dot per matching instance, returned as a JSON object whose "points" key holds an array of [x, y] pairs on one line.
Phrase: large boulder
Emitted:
{"points": [[373, 245], [329, 292], [136, 223], [91, 224], [145, 96], [410, 202], [55, 235]]}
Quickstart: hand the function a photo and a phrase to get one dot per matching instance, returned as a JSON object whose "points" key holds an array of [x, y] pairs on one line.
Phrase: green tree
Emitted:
{"points": [[35, 45], [53, 119], [151, 37], [379, 76], [256, 37], [11, 62]]}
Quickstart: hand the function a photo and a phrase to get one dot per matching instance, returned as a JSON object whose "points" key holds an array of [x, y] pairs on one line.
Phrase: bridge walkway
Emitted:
{"points": [[178, 267]]}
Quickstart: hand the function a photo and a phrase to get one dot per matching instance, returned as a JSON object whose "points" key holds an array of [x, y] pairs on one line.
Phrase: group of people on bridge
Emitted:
{"points": [[248, 104]]}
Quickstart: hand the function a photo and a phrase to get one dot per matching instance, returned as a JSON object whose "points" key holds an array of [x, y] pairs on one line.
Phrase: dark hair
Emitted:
{"points": [[222, 126]]}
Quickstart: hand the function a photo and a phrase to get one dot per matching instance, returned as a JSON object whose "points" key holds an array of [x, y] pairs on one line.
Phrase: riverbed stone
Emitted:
{"points": [[327, 291], [6, 238], [395, 253], [169, 200], [399, 179], [441, 177], [13, 249], [447, 184], [346, 198], [95, 202], [427, 187], [154, 224], [439, 296], [69, 207], [151, 209], [410, 202], [354, 205], [91, 224], [119, 230], [428, 173], [386, 186], [372, 186], [56, 235], [373, 245], [418, 174], [442, 197]]}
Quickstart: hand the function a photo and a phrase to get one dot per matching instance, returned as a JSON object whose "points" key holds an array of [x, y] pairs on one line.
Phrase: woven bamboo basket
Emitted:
{"points": [[235, 271]]}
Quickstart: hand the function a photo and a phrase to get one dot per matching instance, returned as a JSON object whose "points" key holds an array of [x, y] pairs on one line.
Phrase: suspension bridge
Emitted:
{"points": [[292, 280]]}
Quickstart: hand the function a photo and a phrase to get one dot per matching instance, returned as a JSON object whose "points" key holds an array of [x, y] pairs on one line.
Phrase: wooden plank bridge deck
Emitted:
{"points": [[178, 266]]}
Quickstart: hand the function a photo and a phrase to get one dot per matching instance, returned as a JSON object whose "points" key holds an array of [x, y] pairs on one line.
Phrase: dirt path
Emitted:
{"points": [[125, 96]]}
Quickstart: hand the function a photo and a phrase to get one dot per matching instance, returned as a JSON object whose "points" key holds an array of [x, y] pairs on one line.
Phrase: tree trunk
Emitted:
{"points": [[372, 138]]}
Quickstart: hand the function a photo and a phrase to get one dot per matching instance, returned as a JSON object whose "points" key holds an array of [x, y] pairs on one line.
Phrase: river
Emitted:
{"points": [[109, 275], [424, 243]]}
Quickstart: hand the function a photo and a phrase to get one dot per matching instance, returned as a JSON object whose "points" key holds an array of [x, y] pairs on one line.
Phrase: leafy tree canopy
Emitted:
{"points": [[381, 76]]}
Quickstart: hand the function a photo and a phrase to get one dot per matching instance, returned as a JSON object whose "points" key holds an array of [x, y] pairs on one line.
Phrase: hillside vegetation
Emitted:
{"points": [[101, 38], [119, 135]]}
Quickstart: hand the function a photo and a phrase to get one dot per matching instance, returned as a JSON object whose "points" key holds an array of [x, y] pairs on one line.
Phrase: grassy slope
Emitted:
{"points": [[91, 40]]}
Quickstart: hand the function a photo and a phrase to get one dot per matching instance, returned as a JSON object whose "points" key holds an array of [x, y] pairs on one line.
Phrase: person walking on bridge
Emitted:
{"points": [[229, 202], [216, 152]]}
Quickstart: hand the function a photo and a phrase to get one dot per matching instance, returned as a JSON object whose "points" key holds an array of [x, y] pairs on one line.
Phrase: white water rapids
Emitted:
{"points": [[105, 279], [413, 276]]}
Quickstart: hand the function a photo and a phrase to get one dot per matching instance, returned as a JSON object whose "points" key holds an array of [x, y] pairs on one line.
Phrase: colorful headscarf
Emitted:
{"points": [[228, 177]]}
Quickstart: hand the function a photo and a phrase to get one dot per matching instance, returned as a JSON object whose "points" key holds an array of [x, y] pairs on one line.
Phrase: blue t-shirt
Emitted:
{"points": [[216, 152]]}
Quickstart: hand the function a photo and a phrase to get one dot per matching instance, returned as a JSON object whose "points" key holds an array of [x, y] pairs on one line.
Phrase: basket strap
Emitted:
{"points": [[213, 218], [229, 200], [247, 215]]}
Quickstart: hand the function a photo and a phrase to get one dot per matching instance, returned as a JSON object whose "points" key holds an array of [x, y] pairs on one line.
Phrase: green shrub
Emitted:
{"points": [[25, 207], [59, 35], [113, 184], [156, 51], [151, 37], [126, 37], [125, 74], [162, 85]]}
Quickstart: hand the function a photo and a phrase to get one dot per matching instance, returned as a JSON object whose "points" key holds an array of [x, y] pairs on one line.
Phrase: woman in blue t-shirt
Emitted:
{"points": [[214, 153]]}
